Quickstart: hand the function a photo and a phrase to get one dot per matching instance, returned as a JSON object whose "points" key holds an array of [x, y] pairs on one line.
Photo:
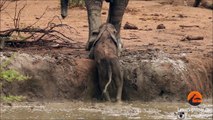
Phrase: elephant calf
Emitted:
{"points": [[105, 52]]}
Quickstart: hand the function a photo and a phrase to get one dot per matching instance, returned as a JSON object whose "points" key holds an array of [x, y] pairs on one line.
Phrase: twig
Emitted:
{"points": [[14, 19], [3, 5], [33, 31], [36, 34], [62, 25], [17, 15], [189, 38], [188, 26], [38, 18], [9, 15]]}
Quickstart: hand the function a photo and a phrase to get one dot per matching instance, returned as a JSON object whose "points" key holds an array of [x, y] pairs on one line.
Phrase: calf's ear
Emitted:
{"points": [[101, 30], [112, 34]]}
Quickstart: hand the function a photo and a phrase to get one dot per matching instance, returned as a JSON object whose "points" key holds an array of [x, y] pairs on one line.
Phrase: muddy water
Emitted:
{"points": [[96, 110]]}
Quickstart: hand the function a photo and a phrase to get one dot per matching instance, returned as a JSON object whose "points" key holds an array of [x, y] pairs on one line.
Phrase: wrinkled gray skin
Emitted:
{"points": [[106, 56], [116, 12], [64, 8]]}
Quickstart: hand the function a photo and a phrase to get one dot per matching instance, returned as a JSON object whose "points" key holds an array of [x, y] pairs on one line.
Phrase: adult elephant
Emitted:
{"points": [[116, 12]]}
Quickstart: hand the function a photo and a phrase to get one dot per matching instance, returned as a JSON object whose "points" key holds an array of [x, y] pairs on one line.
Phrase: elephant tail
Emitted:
{"points": [[110, 79]]}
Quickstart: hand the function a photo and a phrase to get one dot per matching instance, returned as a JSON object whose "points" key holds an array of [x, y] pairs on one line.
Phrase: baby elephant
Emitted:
{"points": [[105, 52]]}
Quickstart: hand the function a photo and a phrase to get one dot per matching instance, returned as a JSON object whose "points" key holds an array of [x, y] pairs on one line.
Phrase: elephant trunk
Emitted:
{"points": [[64, 8]]}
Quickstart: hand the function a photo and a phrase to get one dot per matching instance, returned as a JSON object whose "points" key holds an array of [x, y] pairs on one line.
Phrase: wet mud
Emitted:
{"points": [[148, 75], [95, 110]]}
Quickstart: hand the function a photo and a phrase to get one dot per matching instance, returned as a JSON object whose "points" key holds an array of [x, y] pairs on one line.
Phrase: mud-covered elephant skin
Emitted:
{"points": [[106, 57], [116, 12]]}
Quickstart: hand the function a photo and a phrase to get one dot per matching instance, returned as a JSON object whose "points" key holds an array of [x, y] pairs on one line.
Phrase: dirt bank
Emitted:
{"points": [[148, 74]]}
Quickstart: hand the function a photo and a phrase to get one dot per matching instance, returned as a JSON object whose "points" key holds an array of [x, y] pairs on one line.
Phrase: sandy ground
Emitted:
{"points": [[146, 15]]}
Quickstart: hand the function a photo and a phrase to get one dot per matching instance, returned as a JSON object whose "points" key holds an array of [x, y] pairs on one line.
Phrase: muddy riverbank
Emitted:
{"points": [[148, 75]]}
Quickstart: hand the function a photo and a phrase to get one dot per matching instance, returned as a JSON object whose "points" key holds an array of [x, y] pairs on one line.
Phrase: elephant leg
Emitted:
{"points": [[207, 4], [94, 19], [116, 12], [197, 3], [117, 77], [106, 96], [64, 8]]}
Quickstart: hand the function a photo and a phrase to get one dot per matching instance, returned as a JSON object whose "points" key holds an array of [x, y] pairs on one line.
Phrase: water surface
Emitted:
{"points": [[96, 110]]}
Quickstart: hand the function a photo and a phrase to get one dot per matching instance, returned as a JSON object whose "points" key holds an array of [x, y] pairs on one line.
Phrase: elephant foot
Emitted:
{"points": [[106, 96], [119, 102]]}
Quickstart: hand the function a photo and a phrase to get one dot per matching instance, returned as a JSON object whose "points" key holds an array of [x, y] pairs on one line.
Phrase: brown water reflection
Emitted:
{"points": [[96, 110]]}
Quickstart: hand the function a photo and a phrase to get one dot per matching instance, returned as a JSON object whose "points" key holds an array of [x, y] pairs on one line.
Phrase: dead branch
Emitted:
{"points": [[190, 37], [188, 26], [36, 33], [30, 30], [4, 4], [38, 19], [17, 15]]}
